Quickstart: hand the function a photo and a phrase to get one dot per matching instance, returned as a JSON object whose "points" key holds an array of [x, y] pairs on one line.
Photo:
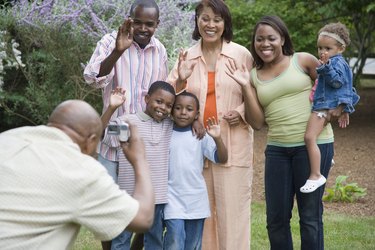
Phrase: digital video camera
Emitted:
{"points": [[121, 130]]}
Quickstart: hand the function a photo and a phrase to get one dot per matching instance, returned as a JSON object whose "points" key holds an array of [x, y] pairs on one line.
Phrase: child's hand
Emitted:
{"points": [[336, 112], [344, 120], [324, 58], [213, 128], [117, 97]]}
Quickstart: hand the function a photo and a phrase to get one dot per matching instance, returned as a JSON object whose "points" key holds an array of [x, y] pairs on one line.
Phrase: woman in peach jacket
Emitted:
{"points": [[202, 71]]}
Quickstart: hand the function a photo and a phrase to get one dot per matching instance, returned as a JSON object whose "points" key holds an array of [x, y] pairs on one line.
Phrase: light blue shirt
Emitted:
{"points": [[187, 192]]}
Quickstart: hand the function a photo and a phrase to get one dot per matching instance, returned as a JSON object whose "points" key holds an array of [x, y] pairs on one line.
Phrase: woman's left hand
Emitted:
{"points": [[233, 118], [241, 76]]}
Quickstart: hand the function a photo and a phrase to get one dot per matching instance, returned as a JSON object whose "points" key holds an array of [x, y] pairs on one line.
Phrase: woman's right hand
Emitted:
{"points": [[241, 76], [184, 67]]}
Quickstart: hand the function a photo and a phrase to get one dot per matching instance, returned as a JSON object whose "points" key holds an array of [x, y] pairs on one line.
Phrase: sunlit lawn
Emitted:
{"points": [[342, 232]]}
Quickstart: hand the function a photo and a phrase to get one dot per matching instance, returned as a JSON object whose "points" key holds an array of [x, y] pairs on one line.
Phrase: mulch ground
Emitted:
{"points": [[354, 157]]}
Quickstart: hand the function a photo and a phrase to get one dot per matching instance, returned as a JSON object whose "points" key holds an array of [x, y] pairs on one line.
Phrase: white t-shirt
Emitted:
{"points": [[187, 191], [48, 189]]}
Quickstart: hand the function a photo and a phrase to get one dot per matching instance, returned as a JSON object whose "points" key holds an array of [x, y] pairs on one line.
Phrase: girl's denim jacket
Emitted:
{"points": [[335, 86]]}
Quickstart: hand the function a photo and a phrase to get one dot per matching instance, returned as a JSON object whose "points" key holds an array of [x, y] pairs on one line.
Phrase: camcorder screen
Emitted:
{"points": [[121, 130], [113, 129]]}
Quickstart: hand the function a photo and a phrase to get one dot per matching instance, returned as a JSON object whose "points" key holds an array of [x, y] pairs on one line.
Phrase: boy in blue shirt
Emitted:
{"points": [[188, 203]]}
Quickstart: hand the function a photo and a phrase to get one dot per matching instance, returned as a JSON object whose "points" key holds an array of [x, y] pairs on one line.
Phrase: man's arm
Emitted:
{"points": [[107, 65], [134, 151]]}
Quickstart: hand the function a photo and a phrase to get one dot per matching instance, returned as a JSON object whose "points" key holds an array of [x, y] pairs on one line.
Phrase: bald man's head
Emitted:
{"points": [[80, 121]]}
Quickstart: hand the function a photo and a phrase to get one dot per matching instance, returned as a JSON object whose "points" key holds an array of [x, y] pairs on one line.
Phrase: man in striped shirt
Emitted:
{"points": [[131, 58]]}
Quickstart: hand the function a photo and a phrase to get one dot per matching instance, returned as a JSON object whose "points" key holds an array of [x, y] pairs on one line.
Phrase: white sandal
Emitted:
{"points": [[312, 185]]}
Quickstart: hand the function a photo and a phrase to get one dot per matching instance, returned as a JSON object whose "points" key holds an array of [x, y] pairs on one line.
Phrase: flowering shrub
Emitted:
{"points": [[96, 18], [8, 60], [176, 28], [57, 38]]}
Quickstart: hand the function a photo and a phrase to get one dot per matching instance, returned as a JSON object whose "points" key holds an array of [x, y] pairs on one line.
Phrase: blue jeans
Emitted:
{"points": [[183, 234], [286, 170], [153, 238], [111, 166]]}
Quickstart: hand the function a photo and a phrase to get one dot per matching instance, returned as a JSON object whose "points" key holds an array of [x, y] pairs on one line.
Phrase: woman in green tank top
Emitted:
{"points": [[276, 93]]}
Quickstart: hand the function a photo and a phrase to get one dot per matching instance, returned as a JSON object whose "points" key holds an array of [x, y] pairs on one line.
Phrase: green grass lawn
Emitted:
{"points": [[341, 232]]}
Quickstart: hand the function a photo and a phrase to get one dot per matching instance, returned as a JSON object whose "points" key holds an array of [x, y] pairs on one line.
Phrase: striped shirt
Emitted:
{"points": [[156, 137], [134, 71]]}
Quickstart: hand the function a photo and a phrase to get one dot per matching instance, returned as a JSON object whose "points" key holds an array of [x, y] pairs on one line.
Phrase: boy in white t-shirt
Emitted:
{"points": [[188, 203]]}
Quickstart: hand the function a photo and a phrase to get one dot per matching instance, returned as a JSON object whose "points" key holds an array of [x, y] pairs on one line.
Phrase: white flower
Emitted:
{"points": [[8, 61], [17, 53], [1, 83], [3, 55]]}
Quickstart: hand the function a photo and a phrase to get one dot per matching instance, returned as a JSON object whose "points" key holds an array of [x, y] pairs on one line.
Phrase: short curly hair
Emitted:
{"points": [[339, 29]]}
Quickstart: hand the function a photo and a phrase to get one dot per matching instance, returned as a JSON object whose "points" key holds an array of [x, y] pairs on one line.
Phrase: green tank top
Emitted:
{"points": [[286, 105]]}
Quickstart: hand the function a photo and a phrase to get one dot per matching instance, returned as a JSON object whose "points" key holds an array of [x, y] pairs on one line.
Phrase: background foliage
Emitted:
{"points": [[305, 18], [57, 37], [342, 191]]}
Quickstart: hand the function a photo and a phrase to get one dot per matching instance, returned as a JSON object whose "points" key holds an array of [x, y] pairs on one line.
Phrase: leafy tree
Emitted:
{"points": [[359, 16], [301, 23]]}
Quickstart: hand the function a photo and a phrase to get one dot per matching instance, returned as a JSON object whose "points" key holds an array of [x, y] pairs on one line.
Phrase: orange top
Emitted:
{"points": [[210, 107]]}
